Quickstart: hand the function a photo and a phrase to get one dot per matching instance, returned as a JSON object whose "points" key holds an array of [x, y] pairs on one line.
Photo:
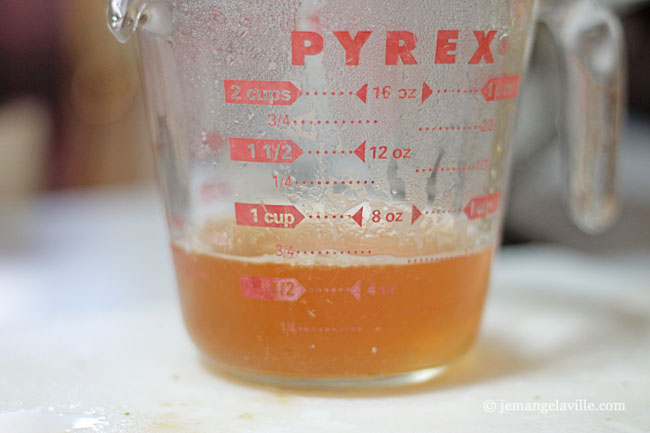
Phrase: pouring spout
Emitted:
{"points": [[123, 17]]}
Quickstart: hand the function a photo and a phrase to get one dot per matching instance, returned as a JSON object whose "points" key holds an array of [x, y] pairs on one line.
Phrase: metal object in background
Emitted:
{"points": [[537, 191]]}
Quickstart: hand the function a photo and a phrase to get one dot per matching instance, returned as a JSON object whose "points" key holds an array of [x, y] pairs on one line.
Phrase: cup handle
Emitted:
{"points": [[589, 44]]}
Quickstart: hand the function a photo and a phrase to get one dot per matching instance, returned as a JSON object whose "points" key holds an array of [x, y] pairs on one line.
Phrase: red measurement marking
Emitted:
{"points": [[487, 125], [327, 217], [271, 289], [333, 252], [358, 217], [290, 182], [442, 211], [261, 215], [390, 217], [481, 165], [500, 88], [292, 328], [362, 93], [273, 121], [361, 151], [457, 91], [433, 259], [426, 92], [388, 92], [482, 207], [261, 92], [478, 207], [354, 290], [416, 213], [267, 151], [381, 152], [329, 93]]}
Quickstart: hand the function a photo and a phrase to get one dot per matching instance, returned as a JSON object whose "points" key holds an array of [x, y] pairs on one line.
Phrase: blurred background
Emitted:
{"points": [[85, 268], [72, 117]]}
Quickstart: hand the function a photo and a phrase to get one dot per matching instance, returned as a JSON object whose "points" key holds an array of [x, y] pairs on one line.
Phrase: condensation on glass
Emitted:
{"points": [[334, 171]]}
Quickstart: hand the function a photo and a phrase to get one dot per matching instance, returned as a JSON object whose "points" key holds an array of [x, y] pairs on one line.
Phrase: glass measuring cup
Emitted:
{"points": [[334, 171]]}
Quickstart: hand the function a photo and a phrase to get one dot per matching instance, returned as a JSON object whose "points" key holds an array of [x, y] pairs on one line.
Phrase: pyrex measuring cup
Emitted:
{"points": [[334, 171]]}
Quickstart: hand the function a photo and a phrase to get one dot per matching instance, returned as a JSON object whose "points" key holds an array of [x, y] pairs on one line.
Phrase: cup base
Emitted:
{"points": [[317, 383]]}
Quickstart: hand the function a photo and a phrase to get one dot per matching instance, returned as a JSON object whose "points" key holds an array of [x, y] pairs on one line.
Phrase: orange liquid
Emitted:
{"points": [[330, 320]]}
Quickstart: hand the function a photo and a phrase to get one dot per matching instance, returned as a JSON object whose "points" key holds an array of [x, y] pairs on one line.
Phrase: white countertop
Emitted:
{"points": [[91, 337]]}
